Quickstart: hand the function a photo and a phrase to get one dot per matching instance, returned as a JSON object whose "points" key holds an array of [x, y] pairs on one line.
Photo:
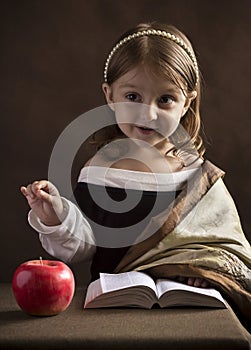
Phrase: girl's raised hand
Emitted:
{"points": [[44, 199]]}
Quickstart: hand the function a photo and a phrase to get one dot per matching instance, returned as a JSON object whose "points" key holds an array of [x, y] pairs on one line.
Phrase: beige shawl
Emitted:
{"points": [[200, 236]]}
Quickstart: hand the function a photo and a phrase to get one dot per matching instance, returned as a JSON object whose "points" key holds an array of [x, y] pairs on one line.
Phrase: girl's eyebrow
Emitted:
{"points": [[128, 85], [170, 90]]}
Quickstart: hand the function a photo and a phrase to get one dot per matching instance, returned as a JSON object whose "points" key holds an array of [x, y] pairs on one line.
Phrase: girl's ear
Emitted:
{"points": [[108, 95], [190, 97]]}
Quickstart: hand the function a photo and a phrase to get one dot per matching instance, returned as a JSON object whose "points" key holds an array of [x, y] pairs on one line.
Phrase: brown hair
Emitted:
{"points": [[165, 58]]}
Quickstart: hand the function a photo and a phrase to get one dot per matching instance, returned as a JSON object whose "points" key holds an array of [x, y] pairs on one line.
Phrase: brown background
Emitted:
{"points": [[52, 55]]}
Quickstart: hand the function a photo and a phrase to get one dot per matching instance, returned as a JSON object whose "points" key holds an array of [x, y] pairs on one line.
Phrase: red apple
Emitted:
{"points": [[43, 287]]}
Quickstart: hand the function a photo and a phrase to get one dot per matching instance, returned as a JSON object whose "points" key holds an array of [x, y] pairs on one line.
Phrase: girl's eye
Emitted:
{"points": [[166, 99], [133, 97]]}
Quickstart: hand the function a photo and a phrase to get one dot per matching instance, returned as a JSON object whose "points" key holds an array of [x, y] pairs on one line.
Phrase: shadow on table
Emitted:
{"points": [[15, 316]]}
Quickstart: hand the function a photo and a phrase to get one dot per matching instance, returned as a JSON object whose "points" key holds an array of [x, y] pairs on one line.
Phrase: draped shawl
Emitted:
{"points": [[200, 236]]}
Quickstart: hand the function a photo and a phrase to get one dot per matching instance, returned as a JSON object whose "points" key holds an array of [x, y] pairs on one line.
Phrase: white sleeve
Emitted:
{"points": [[70, 241]]}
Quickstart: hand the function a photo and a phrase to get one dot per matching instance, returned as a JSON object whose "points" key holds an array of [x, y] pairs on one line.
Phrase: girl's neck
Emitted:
{"points": [[129, 154], [147, 158], [163, 147]]}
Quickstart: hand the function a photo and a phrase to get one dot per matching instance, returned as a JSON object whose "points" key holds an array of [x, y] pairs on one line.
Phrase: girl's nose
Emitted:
{"points": [[153, 112], [149, 112]]}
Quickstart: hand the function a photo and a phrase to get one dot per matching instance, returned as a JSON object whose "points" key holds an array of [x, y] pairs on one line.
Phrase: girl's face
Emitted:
{"points": [[147, 107]]}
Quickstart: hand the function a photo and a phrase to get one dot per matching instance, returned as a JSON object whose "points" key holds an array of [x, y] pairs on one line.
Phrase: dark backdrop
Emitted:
{"points": [[52, 55]]}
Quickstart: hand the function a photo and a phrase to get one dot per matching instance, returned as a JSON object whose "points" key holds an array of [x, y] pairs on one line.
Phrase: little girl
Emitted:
{"points": [[185, 224]]}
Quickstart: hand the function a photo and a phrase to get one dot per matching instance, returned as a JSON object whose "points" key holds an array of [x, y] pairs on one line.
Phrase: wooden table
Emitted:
{"points": [[75, 328]]}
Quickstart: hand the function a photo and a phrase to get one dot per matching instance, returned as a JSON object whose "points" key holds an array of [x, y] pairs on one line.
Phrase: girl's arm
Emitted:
{"points": [[63, 231]]}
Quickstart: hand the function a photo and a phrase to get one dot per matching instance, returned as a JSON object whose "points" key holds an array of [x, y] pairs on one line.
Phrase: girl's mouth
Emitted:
{"points": [[144, 130]]}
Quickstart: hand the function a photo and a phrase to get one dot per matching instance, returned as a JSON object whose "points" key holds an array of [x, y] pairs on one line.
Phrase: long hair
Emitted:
{"points": [[166, 59]]}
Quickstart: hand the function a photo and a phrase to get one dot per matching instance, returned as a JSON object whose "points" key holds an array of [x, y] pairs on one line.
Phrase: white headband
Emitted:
{"points": [[158, 33]]}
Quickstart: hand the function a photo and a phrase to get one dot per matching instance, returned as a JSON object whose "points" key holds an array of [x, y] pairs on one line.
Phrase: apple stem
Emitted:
{"points": [[41, 260]]}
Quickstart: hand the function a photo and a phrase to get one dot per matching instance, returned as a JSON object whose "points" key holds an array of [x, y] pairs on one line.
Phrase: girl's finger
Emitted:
{"points": [[39, 189], [39, 185], [29, 192], [205, 284], [198, 282], [190, 281], [23, 190], [44, 186], [42, 189], [41, 194]]}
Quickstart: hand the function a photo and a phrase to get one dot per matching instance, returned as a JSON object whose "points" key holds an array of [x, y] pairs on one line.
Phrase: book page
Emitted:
{"points": [[94, 290], [112, 282], [164, 285]]}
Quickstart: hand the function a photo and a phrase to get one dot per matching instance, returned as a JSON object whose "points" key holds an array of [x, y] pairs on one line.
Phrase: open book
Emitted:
{"points": [[137, 289]]}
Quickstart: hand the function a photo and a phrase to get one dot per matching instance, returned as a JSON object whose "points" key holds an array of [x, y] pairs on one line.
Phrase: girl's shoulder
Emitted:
{"points": [[88, 163], [123, 164], [172, 164]]}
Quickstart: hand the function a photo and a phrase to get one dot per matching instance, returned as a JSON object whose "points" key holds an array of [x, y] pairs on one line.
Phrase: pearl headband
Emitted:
{"points": [[149, 32]]}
